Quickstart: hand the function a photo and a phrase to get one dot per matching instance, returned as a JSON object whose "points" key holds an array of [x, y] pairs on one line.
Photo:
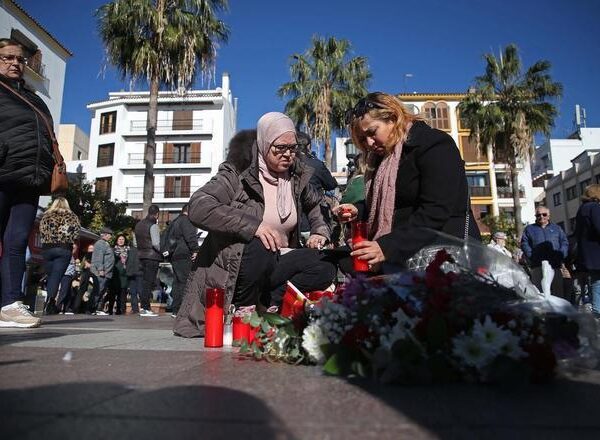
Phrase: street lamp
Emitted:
{"points": [[351, 153]]}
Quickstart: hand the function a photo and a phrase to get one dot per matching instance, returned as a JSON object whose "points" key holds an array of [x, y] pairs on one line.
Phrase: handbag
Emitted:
{"points": [[59, 183], [423, 257]]}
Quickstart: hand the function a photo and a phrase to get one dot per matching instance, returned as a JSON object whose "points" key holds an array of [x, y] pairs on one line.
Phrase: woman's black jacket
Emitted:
{"points": [[26, 160]]}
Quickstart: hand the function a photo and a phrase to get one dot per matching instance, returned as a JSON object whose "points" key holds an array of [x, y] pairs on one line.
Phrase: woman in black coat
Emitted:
{"points": [[415, 179], [26, 164]]}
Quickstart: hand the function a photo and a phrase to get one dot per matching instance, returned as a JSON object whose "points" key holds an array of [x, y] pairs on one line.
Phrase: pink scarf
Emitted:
{"points": [[270, 126], [381, 191]]}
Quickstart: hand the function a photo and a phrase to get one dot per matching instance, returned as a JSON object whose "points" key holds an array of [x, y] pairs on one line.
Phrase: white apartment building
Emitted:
{"points": [[563, 191], [193, 131], [489, 182], [47, 57], [556, 155], [73, 142]]}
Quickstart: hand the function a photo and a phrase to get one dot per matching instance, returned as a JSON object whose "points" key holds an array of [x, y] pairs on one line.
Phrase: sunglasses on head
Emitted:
{"points": [[542, 214], [363, 106]]}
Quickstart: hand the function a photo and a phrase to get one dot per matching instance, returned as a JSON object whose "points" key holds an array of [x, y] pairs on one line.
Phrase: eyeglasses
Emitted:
{"points": [[282, 148], [364, 105], [542, 214], [9, 59]]}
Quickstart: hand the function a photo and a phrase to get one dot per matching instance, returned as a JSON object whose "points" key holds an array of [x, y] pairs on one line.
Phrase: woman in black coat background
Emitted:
{"points": [[415, 179]]}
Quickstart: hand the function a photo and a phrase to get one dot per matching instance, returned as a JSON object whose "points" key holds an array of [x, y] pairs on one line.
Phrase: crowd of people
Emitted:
{"points": [[267, 216]]}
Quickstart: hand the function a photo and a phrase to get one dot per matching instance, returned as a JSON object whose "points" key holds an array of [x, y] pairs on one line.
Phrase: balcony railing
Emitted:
{"points": [[481, 191], [170, 125], [166, 159], [505, 192], [133, 193]]}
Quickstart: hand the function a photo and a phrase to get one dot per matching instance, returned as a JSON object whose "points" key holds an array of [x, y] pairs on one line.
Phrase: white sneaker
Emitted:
{"points": [[100, 313], [144, 312], [18, 315]]}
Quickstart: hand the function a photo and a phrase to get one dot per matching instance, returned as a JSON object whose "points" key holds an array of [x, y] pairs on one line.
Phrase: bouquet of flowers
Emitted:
{"points": [[440, 325]]}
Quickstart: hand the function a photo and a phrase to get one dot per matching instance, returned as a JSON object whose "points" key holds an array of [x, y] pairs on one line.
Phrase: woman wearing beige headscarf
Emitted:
{"points": [[251, 209]]}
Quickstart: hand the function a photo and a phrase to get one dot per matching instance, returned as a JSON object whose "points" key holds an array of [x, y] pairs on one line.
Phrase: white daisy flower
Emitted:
{"points": [[312, 339], [472, 350], [493, 336]]}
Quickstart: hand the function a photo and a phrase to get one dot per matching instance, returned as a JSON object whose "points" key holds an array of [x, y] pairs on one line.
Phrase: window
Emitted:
{"points": [[470, 152], [571, 192], [108, 122], [177, 186], [183, 120], [462, 124], [583, 185], [437, 115], [556, 199], [181, 153], [106, 154], [478, 184], [104, 186]]}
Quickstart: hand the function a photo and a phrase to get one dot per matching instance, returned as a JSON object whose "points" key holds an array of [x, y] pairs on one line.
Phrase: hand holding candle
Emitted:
{"points": [[359, 234]]}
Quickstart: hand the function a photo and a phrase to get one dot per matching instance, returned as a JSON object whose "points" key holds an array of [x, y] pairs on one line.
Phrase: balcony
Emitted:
{"points": [[505, 192], [193, 160], [480, 191], [168, 126], [136, 194]]}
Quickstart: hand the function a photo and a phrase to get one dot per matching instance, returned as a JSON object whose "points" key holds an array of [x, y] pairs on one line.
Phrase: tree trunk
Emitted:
{"points": [[514, 179], [150, 153], [328, 152]]}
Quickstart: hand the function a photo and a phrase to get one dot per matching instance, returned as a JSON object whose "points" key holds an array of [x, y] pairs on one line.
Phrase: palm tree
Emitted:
{"points": [[325, 82], [165, 42], [506, 108]]}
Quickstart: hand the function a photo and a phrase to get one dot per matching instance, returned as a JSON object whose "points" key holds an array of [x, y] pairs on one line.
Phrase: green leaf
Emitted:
{"points": [[255, 320], [264, 326], [332, 366], [275, 319]]}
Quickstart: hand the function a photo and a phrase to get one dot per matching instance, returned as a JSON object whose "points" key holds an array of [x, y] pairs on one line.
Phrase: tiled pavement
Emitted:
{"points": [[88, 377]]}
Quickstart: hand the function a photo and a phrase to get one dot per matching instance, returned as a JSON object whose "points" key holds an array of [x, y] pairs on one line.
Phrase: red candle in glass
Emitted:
{"points": [[251, 333], [359, 233], [213, 328], [241, 330]]}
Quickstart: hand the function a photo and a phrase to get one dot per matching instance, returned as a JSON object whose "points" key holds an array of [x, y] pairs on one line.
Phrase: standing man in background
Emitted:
{"points": [[147, 237], [545, 241], [186, 250], [103, 262]]}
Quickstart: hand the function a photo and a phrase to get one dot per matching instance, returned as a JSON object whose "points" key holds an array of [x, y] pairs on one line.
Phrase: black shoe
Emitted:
{"points": [[50, 307]]}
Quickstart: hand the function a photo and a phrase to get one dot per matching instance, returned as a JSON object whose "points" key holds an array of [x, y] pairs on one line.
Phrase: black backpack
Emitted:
{"points": [[168, 240]]}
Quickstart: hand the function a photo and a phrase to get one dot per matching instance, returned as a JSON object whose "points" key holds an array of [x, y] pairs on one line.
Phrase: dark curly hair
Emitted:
{"points": [[240, 149]]}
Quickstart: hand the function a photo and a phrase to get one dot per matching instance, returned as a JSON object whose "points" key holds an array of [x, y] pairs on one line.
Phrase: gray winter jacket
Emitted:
{"points": [[230, 206], [103, 258]]}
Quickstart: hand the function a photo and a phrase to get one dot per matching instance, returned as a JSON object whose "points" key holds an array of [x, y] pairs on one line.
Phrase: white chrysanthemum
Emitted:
{"points": [[493, 336], [512, 348], [472, 350], [312, 340], [335, 320]]}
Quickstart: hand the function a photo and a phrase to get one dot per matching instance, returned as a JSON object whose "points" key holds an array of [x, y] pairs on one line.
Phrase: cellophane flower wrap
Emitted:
{"points": [[456, 321]]}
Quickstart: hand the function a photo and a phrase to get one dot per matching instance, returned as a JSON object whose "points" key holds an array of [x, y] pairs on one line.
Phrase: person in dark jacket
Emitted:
{"points": [[147, 236], [185, 235], [545, 241], [26, 165], [321, 180], [415, 179], [587, 233], [134, 277], [251, 212], [118, 290]]}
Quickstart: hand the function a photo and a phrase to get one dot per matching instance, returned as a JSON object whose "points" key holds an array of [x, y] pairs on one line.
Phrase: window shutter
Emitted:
{"points": [[167, 153], [196, 152], [169, 184], [182, 120], [185, 186]]}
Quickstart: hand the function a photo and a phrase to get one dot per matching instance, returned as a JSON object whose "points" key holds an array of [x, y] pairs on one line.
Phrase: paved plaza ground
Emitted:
{"points": [[87, 377]]}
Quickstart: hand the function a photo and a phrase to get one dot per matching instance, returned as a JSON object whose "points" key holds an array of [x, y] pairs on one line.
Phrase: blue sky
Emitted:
{"points": [[440, 42]]}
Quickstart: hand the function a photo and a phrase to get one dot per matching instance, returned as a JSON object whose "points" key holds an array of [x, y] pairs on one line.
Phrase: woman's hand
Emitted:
{"points": [[346, 212], [368, 250], [316, 241], [269, 237]]}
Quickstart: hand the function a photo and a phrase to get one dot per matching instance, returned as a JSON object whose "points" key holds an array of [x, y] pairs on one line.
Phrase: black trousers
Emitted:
{"points": [[149, 271], [181, 271], [263, 274]]}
